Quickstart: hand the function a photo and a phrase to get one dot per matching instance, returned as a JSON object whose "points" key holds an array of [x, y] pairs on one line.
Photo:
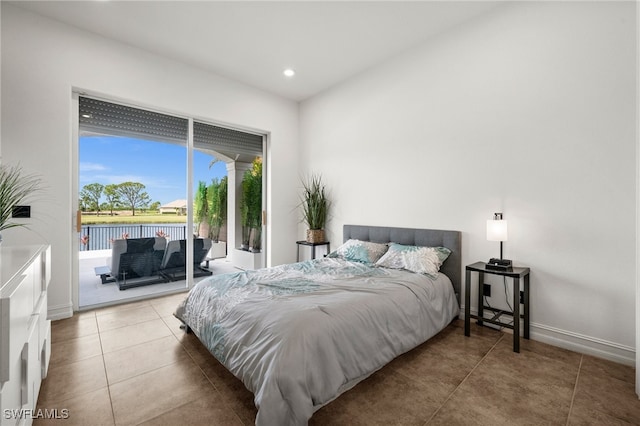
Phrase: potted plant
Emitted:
{"points": [[201, 210], [315, 207], [249, 257], [15, 189], [217, 207], [251, 207], [244, 214]]}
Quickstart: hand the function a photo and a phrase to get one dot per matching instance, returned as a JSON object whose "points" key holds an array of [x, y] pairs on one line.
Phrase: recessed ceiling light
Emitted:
{"points": [[86, 115], [289, 72]]}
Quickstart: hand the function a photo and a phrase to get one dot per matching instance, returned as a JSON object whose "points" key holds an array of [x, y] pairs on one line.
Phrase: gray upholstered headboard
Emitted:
{"points": [[452, 267]]}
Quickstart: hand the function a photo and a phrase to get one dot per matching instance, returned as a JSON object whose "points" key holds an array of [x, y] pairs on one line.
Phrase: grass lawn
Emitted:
{"points": [[127, 218]]}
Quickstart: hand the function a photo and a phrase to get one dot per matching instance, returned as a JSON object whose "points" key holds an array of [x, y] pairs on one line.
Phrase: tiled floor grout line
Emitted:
{"points": [[464, 380], [129, 324], [116, 308], [575, 389], [209, 380], [104, 365]]}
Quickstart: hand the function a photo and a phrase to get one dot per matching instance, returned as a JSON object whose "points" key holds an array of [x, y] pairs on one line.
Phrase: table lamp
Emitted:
{"points": [[497, 231]]}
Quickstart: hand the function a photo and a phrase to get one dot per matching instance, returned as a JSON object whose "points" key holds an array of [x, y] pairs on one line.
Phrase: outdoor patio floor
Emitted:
{"points": [[94, 294]]}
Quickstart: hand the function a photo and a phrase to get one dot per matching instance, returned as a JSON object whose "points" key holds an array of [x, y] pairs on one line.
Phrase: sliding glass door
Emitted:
{"points": [[160, 201], [240, 155]]}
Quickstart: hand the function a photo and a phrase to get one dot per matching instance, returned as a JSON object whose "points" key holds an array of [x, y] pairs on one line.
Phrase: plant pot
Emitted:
{"points": [[218, 250], [246, 260], [203, 230], [315, 236]]}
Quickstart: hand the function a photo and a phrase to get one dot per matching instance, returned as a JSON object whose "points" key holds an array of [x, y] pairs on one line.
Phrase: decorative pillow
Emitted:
{"points": [[360, 251], [423, 260]]}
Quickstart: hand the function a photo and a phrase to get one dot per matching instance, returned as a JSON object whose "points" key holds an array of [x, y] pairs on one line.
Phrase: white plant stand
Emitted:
{"points": [[217, 251], [246, 260]]}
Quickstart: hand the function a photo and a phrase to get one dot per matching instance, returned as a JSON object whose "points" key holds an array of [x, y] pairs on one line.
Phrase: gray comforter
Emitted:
{"points": [[299, 335]]}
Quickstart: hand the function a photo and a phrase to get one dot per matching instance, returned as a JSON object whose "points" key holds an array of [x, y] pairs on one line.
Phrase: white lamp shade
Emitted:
{"points": [[496, 230]]}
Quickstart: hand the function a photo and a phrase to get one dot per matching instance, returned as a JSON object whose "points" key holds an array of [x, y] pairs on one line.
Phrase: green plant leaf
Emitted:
{"points": [[15, 188], [314, 202]]}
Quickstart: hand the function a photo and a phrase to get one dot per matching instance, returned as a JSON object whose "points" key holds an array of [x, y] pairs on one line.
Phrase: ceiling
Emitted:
{"points": [[253, 42]]}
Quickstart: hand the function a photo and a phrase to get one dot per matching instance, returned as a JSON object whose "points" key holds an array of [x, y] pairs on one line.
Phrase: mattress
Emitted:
{"points": [[299, 335]]}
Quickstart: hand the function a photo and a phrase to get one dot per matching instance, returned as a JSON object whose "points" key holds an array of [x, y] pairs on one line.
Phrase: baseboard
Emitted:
{"points": [[579, 343], [60, 312], [584, 344]]}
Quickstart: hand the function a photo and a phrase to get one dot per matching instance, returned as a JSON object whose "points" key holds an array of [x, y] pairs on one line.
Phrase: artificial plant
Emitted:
{"points": [[15, 188]]}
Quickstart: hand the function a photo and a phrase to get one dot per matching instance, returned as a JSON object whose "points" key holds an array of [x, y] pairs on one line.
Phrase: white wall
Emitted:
{"points": [[43, 60], [528, 110], [637, 201]]}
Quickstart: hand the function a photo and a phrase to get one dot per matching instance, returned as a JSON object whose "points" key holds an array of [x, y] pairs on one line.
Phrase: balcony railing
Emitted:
{"points": [[99, 237]]}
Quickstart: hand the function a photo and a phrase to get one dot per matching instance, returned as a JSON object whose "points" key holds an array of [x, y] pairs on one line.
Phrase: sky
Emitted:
{"points": [[160, 167]]}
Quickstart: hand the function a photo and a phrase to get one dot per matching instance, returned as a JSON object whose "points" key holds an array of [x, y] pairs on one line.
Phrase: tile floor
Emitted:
{"points": [[132, 364]]}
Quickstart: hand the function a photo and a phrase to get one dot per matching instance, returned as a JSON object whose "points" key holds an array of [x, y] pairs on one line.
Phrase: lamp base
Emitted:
{"points": [[499, 264]]}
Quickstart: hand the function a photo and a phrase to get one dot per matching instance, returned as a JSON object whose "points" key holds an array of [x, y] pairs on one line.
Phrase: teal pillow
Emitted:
{"points": [[360, 251]]}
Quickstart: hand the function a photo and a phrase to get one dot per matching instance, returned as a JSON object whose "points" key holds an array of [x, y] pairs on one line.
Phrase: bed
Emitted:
{"points": [[301, 334]]}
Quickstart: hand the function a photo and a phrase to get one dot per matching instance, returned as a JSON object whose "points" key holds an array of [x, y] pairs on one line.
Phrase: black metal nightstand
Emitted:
{"points": [[515, 273], [313, 248]]}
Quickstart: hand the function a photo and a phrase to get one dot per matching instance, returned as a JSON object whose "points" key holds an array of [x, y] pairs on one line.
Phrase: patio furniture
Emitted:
{"points": [[174, 266], [134, 262]]}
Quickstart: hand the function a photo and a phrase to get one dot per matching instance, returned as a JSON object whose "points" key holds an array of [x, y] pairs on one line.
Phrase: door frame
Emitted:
{"points": [[75, 185]]}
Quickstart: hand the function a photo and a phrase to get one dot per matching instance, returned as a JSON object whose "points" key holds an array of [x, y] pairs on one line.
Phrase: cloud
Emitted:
{"points": [[92, 167]]}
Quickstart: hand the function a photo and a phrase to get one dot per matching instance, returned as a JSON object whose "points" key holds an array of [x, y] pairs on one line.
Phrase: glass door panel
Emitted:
{"points": [[132, 197], [210, 188], [161, 202]]}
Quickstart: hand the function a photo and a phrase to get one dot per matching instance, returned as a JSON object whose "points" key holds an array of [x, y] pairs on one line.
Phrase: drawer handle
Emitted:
{"points": [[24, 379]]}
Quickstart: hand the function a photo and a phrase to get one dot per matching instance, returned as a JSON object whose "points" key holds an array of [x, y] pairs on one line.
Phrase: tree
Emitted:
{"points": [[251, 205], [91, 194], [132, 195], [201, 210], [113, 198], [244, 213], [155, 206], [217, 201], [82, 203]]}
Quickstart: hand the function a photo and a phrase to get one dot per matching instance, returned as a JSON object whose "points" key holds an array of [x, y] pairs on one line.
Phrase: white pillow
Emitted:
{"points": [[360, 251], [422, 260]]}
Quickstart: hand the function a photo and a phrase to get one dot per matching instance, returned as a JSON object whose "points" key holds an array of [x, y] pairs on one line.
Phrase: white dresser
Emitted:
{"points": [[25, 332]]}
